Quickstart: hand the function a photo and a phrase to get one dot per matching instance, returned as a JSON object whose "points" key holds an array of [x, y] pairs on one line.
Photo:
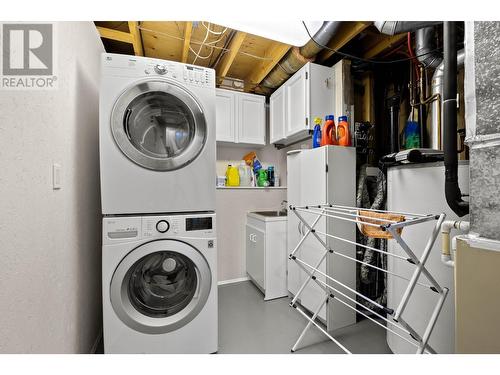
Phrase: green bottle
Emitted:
{"points": [[262, 178]]}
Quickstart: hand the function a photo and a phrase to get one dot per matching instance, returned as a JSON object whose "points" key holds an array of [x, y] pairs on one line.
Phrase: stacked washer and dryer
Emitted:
{"points": [[157, 156]]}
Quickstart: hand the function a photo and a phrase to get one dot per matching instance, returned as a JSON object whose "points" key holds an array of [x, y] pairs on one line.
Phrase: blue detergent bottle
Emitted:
{"points": [[316, 137]]}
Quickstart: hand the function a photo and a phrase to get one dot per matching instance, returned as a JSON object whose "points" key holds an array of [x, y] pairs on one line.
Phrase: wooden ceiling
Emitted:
{"points": [[231, 53]]}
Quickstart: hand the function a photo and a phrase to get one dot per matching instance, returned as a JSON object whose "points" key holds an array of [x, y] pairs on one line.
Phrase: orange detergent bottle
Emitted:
{"points": [[328, 133], [344, 136]]}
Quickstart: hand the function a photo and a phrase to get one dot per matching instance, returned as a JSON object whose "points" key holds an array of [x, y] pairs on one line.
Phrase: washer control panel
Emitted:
{"points": [[179, 225], [131, 228]]}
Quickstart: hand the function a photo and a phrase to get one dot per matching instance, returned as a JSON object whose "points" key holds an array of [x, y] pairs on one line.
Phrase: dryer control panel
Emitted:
{"points": [[120, 229], [138, 66]]}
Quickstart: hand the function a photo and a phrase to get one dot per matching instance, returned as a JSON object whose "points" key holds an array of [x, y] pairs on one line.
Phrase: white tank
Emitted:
{"points": [[419, 188]]}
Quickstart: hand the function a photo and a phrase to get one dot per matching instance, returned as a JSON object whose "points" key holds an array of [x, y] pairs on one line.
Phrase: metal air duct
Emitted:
{"points": [[399, 27], [437, 89], [296, 58], [425, 50]]}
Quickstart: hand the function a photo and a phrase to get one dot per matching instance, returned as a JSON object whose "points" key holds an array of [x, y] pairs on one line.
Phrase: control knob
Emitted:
{"points": [[162, 226], [160, 69]]}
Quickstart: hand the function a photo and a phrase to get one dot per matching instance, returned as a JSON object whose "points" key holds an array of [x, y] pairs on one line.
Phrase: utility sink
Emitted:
{"points": [[271, 213]]}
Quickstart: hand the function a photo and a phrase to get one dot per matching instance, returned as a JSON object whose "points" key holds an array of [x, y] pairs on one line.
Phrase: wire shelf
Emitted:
{"points": [[382, 221]]}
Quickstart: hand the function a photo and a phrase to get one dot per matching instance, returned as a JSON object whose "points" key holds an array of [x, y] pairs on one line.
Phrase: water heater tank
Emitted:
{"points": [[419, 188]]}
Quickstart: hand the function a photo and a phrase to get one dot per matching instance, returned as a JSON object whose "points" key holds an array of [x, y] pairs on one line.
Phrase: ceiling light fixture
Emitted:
{"points": [[289, 32]]}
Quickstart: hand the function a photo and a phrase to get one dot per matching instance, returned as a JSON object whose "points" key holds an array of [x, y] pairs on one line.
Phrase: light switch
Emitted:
{"points": [[56, 176]]}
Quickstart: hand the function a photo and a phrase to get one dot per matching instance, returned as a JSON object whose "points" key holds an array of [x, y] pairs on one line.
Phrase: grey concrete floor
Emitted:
{"points": [[247, 324]]}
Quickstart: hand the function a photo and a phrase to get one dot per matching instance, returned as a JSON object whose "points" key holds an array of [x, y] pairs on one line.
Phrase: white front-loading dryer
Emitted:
{"points": [[157, 136], [159, 278]]}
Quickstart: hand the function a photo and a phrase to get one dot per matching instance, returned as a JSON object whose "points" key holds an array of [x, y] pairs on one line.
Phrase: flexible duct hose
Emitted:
{"points": [[368, 274]]}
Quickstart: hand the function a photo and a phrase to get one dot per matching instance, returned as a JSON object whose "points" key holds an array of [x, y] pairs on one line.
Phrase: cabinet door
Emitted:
{"points": [[255, 250], [294, 278], [296, 108], [225, 116], [313, 191], [251, 119], [277, 115]]}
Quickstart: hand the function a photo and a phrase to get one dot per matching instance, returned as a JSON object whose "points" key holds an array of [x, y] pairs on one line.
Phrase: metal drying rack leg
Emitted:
{"points": [[306, 328]]}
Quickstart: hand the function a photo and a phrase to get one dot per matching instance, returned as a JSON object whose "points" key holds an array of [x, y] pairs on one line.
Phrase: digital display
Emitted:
{"points": [[198, 223]]}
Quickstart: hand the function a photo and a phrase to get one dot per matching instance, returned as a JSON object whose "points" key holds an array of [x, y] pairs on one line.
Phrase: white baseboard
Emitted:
{"points": [[96, 342], [233, 281]]}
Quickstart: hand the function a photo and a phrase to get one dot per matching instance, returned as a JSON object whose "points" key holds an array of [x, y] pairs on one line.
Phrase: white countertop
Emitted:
{"points": [[267, 218]]}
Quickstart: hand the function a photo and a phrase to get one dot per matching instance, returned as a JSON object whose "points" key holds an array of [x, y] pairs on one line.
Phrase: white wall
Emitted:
{"points": [[50, 298], [233, 205]]}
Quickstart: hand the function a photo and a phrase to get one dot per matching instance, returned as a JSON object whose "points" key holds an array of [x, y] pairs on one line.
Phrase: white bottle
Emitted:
{"points": [[245, 174]]}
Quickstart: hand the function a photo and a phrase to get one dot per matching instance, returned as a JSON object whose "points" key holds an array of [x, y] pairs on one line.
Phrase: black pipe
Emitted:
{"points": [[452, 190]]}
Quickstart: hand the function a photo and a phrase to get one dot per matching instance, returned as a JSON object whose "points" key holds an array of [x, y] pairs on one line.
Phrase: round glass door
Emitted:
{"points": [[158, 125], [160, 286]]}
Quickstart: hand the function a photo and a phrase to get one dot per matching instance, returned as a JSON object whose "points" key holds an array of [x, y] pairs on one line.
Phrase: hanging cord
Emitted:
{"points": [[163, 34], [212, 31], [362, 59], [197, 54]]}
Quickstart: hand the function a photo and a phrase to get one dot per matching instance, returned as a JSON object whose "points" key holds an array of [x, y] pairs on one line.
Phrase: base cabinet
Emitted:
{"points": [[266, 255]]}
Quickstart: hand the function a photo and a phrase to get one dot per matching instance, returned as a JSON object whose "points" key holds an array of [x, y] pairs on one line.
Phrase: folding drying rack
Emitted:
{"points": [[394, 228]]}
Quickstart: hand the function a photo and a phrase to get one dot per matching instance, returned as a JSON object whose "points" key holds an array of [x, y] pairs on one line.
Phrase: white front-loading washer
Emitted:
{"points": [[159, 279], [157, 136]]}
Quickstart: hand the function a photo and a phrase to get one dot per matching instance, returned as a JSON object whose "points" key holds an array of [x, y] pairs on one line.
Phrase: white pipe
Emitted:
{"points": [[446, 227]]}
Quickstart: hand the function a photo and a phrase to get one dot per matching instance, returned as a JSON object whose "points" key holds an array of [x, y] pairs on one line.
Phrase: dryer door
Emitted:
{"points": [[159, 125], [160, 286]]}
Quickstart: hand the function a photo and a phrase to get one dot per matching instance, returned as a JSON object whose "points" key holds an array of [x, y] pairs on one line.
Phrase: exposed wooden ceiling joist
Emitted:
{"points": [[386, 43], [274, 54], [226, 61], [187, 39], [133, 27], [344, 36], [113, 34]]}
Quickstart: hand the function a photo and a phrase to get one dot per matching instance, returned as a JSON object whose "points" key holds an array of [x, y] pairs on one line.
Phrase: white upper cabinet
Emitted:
{"points": [[225, 116], [240, 118], [252, 119], [309, 93], [277, 116], [296, 111]]}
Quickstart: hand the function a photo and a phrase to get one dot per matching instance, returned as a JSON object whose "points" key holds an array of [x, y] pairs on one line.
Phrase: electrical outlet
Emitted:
{"points": [[56, 176]]}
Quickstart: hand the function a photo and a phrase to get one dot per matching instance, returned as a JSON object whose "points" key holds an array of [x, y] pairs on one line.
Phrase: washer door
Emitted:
{"points": [[159, 125], [160, 286]]}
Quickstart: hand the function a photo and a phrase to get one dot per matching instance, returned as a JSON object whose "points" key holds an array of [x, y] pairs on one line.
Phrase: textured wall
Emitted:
{"points": [[50, 239], [483, 107]]}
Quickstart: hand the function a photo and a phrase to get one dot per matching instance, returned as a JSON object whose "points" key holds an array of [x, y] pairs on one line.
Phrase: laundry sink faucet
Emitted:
{"points": [[284, 205]]}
